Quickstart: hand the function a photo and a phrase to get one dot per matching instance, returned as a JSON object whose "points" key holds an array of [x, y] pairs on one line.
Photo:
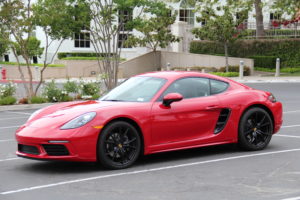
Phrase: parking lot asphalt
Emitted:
{"points": [[219, 172]]}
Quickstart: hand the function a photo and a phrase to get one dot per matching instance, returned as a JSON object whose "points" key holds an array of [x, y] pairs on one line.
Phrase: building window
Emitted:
{"points": [[122, 38], [82, 40], [124, 17], [186, 15], [186, 12], [35, 59], [275, 16], [6, 58]]}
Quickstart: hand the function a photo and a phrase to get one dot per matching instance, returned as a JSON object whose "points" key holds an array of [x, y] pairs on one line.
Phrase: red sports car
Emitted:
{"points": [[150, 113]]}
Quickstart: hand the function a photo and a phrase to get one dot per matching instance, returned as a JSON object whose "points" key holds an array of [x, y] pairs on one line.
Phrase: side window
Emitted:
{"points": [[217, 86], [189, 87]]}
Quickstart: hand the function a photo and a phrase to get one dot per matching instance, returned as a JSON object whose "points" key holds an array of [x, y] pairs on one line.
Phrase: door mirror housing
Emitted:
{"points": [[170, 98]]}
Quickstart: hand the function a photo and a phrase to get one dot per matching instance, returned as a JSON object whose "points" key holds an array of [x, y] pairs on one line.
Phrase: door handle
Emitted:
{"points": [[212, 107]]}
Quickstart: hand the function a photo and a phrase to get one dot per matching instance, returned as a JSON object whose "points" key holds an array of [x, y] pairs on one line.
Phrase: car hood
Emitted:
{"points": [[59, 114]]}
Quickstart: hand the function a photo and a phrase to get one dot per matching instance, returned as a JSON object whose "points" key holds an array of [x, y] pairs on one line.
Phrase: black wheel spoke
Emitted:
{"points": [[263, 119], [248, 132], [265, 124]]}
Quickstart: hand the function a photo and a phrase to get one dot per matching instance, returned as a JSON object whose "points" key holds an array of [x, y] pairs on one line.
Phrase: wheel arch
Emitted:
{"points": [[130, 121], [262, 107]]}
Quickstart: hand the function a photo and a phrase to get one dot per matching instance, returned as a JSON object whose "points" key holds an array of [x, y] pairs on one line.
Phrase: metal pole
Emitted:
{"points": [[1, 73], [168, 66], [241, 74], [37, 73], [277, 67]]}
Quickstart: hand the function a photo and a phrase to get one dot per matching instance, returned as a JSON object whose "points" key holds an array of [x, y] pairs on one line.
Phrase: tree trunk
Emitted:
{"points": [[260, 32], [226, 56]]}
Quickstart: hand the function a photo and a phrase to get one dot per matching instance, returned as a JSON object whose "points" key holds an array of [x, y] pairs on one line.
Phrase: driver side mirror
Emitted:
{"points": [[170, 98]]}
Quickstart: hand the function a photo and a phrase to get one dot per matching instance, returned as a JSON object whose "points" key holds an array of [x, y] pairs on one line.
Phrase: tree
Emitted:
{"points": [[155, 30], [289, 7], [59, 19], [221, 26], [111, 23], [16, 15], [260, 32]]}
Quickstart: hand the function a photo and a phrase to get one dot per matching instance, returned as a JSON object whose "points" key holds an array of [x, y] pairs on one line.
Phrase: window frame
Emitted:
{"points": [[160, 98], [84, 40]]}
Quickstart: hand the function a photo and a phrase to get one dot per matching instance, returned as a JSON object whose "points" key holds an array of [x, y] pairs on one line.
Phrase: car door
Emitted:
{"points": [[193, 118]]}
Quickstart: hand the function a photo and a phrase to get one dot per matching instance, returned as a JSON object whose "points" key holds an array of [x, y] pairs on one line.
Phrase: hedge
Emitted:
{"points": [[288, 50], [71, 54], [264, 61]]}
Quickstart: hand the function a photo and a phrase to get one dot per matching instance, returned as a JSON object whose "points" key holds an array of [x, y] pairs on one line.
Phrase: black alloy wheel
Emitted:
{"points": [[255, 129], [119, 145]]}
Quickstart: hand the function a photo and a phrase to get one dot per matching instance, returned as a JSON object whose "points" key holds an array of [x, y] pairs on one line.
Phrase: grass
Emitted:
{"points": [[24, 64], [86, 58], [226, 74]]}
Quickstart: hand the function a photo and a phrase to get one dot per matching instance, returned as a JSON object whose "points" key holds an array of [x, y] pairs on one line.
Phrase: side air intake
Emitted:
{"points": [[223, 118]]}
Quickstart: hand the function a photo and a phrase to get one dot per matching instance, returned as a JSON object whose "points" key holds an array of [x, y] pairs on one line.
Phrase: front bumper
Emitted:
{"points": [[67, 145]]}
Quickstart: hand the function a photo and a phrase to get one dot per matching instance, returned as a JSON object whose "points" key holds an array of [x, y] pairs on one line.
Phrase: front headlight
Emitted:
{"points": [[272, 98], [79, 121]]}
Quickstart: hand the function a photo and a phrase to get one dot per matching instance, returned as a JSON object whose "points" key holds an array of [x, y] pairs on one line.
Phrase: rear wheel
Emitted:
{"points": [[255, 129], [119, 145]]}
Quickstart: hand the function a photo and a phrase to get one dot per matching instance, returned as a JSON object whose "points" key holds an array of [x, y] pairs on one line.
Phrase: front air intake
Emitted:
{"points": [[56, 149], [222, 120]]}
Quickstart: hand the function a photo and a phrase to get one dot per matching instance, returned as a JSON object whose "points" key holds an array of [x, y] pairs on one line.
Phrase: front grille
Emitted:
{"points": [[28, 149], [56, 149]]}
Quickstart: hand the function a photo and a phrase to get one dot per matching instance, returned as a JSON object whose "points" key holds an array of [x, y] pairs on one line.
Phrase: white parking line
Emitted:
{"points": [[9, 140], [297, 125], [293, 111], [2, 119], [21, 113], [145, 171], [290, 136], [7, 127], [292, 198], [9, 159]]}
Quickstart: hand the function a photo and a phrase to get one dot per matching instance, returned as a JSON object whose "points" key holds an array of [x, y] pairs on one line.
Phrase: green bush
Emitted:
{"points": [[37, 100], [90, 89], [9, 100], [70, 87], [264, 61], [226, 74], [7, 90], [236, 69], [66, 98], [285, 49], [52, 93], [71, 54]]}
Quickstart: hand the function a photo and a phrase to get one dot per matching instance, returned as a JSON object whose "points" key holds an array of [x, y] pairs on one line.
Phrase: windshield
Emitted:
{"points": [[136, 89]]}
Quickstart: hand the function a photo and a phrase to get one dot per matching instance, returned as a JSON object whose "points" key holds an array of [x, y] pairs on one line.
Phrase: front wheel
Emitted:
{"points": [[255, 129], [119, 145]]}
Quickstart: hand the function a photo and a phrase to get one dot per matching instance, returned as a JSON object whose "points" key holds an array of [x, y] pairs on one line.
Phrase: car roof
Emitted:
{"points": [[172, 75]]}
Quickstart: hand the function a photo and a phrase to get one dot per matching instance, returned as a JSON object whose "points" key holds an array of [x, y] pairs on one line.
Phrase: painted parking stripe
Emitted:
{"points": [[21, 113], [291, 126], [292, 111], [8, 127], [9, 159], [2, 119], [145, 171], [8, 140], [289, 136], [292, 198]]}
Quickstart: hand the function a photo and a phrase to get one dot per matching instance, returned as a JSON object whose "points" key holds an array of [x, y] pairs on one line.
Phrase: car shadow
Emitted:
{"points": [[63, 167]]}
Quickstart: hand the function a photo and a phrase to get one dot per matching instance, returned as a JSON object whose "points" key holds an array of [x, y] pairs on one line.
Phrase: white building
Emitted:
{"points": [[186, 20]]}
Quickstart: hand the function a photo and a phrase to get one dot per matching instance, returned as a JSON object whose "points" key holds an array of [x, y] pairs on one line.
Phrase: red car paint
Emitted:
{"points": [[186, 124]]}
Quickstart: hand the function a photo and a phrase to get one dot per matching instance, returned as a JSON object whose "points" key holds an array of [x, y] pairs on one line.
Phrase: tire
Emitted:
{"points": [[255, 129], [119, 145]]}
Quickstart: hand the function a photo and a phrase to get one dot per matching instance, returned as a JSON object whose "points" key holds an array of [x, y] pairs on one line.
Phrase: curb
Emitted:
{"points": [[24, 107]]}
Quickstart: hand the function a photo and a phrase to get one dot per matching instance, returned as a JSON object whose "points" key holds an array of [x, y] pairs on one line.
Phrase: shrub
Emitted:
{"points": [[226, 74], [90, 89], [236, 69], [72, 54], [285, 49], [52, 93], [264, 61], [37, 100], [7, 90], [70, 87], [9, 100], [23, 101], [66, 98]]}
